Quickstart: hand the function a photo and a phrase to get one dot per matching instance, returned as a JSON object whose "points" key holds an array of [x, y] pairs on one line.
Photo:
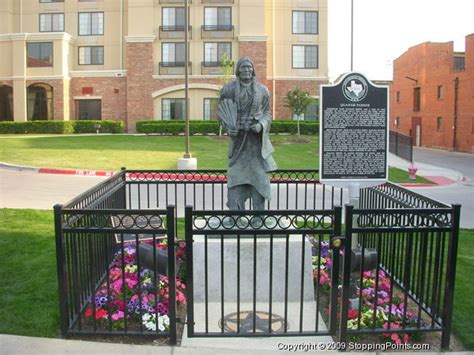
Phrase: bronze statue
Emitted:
{"points": [[245, 115]]}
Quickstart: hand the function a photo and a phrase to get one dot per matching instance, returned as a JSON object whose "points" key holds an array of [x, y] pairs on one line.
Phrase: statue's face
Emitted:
{"points": [[245, 71]]}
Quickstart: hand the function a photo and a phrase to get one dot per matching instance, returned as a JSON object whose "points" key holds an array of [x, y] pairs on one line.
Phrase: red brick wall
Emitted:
{"points": [[257, 51], [58, 97], [114, 105], [140, 83], [7, 82], [283, 86], [431, 64]]}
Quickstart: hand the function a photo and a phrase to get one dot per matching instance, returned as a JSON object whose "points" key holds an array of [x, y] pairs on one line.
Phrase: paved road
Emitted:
{"points": [[462, 162], [24, 189], [461, 192]]}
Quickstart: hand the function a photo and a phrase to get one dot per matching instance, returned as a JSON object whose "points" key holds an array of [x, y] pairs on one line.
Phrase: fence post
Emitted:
{"points": [[62, 287], [188, 231], [346, 279], [335, 272], [170, 222], [450, 278]]}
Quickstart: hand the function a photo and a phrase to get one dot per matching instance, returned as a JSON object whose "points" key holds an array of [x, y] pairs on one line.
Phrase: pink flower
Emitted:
{"points": [[118, 315], [131, 283]]}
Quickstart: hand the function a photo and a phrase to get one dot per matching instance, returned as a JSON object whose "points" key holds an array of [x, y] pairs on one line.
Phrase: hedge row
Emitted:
{"points": [[60, 127], [212, 127]]}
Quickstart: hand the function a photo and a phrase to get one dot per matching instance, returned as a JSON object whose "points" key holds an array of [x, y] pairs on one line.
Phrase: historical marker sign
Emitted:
{"points": [[353, 130]]}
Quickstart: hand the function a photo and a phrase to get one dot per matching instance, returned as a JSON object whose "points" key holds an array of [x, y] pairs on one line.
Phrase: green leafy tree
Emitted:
{"points": [[298, 101], [227, 65]]}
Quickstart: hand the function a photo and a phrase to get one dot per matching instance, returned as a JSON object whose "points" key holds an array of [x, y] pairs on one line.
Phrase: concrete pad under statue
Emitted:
{"points": [[187, 164], [300, 272]]}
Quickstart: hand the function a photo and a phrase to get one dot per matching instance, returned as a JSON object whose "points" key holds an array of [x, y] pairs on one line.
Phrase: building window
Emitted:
{"points": [[6, 103], [311, 114], [91, 55], [217, 18], [459, 64], [91, 23], [214, 52], [172, 109], [39, 102], [173, 53], [305, 22], [210, 109], [173, 19], [40, 54], [416, 99], [51, 22], [88, 109], [398, 96], [46, 1], [305, 57], [397, 122], [439, 123], [440, 92]]}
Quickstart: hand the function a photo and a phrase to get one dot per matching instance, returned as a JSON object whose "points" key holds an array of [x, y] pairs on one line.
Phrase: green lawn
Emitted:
{"points": [[28, 287], [111, 152]]}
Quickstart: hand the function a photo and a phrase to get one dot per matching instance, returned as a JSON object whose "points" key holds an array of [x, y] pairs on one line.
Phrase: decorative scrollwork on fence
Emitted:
{"points": [[216, 176], [405, 219], [262, 222], [177, 176], [295, 176], [404, 197], [117, 222]]}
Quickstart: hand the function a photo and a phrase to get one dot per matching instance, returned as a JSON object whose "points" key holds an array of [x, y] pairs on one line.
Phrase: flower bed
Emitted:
{"points": [[134, 299], [384, 309]]}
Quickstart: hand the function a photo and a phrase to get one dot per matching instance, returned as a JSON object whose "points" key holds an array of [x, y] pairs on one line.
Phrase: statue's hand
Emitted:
{"points": [[257, 127], [233, 132]]}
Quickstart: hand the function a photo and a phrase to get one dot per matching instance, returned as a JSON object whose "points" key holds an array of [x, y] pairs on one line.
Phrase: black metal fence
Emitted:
{"points": [[401, 145], [120, 244], [409, 288], [261, 273]]}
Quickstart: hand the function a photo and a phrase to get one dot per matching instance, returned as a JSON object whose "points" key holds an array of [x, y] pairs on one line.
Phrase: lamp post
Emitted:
{"points": [[187, 162], [352, 35]]}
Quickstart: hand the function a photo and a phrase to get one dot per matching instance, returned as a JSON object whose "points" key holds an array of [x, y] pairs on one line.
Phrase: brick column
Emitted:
{"points": [[257, 51], [139, 81]]}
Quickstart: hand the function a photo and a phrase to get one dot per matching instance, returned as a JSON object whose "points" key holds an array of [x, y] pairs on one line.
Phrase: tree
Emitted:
{"points": [[227, 66], [298, 101]]}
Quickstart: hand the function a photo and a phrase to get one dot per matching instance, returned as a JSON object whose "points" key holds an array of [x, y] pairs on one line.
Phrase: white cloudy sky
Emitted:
{"points": [[384, 29]]}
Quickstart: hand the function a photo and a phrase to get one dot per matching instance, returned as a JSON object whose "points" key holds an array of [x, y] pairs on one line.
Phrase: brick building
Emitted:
{"points": [[124, 59], [432, 95]]}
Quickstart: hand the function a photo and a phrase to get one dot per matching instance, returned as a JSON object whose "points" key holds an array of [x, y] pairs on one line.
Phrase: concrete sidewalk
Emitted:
{"points": [[12, 344], [440, 176]]}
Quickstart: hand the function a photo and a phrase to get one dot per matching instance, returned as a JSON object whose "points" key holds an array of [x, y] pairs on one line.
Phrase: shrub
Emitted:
{"points": [[177, 127], [60, 127], [52, 127], [88, 126], [212, 127], [291, 127]]}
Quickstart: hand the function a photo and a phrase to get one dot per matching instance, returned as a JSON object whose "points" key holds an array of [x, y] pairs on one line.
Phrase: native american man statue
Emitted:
{"points": [[244, 113]]}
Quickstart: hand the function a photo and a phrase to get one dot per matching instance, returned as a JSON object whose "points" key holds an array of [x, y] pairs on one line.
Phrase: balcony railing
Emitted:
{"points": [[212, 68], [217, 1], [174, 32], [217, 32], [174, 68]]}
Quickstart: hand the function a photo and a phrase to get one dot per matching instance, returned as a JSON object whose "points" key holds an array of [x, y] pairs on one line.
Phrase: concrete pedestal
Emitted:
{"points": [[222, 261], [187, 164]]}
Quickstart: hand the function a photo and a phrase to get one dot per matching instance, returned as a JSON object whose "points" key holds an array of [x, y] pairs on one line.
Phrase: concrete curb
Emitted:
{"points": [[439, 180], [79, 172]]}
